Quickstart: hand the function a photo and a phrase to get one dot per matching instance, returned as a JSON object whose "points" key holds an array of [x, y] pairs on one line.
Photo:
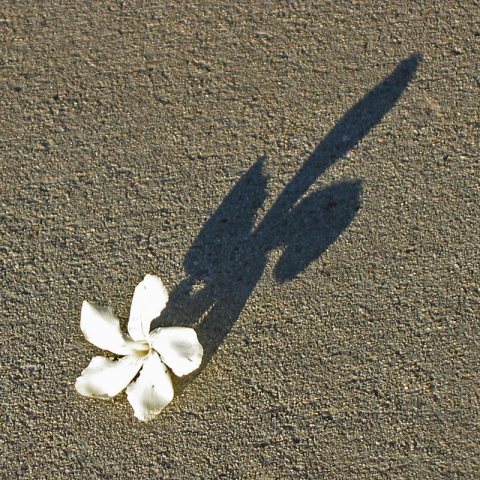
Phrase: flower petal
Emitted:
{"points": [[105, 378], [178, 347], [149, 300], [102, 328], [152, 391]]}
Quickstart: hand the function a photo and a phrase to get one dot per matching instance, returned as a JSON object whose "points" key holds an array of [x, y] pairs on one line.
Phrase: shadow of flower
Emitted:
{"points": [[229, 255]]}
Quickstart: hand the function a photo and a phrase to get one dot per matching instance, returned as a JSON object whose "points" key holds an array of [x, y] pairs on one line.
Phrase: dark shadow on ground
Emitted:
{"points": [[229, 255]]}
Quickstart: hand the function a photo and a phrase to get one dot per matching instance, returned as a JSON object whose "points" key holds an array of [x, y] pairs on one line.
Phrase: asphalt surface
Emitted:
{"points": [[304, 178]]}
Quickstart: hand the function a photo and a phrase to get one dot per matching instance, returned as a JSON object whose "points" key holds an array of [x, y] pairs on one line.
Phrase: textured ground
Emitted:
{"points": [[304, 178]]}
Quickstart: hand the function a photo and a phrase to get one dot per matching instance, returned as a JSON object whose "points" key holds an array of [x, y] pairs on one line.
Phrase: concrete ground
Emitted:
{"points": [[304, 178]]}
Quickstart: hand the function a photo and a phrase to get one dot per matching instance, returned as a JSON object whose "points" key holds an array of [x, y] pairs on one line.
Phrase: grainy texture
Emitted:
{"points": [[333, 277]]}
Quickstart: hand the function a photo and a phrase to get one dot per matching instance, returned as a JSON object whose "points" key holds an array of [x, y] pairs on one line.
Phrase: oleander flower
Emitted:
{"points": [[145, 351]]}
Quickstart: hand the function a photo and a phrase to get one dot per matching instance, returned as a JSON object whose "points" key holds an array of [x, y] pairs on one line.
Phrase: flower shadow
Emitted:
{"points": [[228, 257]]}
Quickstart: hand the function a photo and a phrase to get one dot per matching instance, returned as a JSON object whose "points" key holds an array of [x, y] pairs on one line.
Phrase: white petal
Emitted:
{"points": [[149, 300], [152, 391], [102, 328], [178, 347], [105, 378]]}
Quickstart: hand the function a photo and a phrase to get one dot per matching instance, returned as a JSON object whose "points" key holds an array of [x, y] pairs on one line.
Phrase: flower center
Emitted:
{"points": [[141, 349]]}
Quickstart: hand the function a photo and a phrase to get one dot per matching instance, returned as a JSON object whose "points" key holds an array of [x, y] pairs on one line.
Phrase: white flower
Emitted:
{"points": [[146, 352]]}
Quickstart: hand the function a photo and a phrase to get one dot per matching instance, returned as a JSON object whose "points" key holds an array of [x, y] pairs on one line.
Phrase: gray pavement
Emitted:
{"points": [[304, 178]]}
